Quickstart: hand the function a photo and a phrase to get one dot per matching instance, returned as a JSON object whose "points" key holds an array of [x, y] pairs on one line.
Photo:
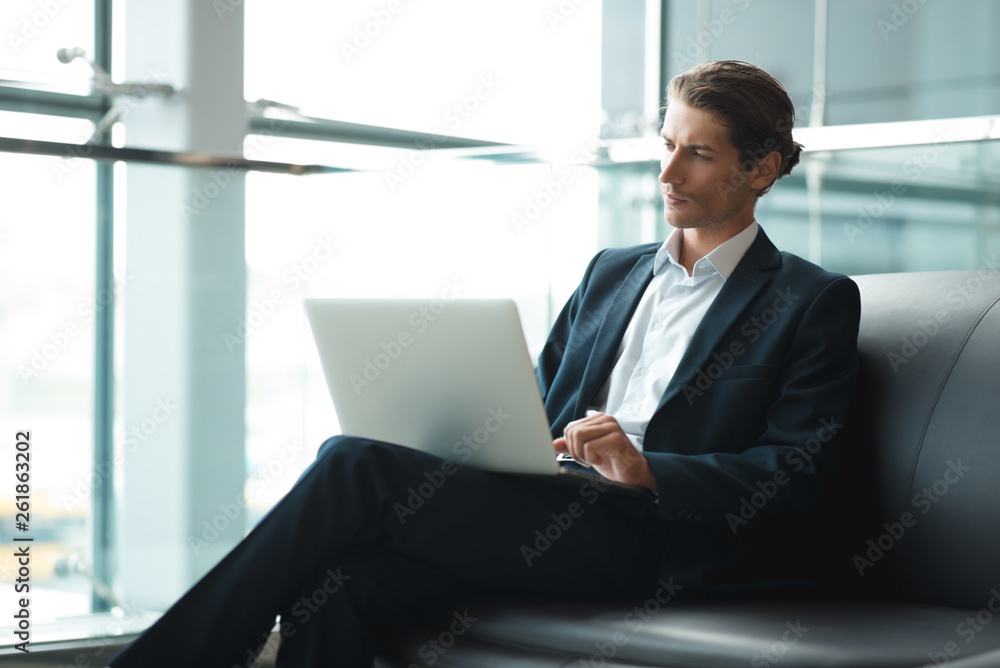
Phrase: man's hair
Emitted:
{"points": [[750, 102]]}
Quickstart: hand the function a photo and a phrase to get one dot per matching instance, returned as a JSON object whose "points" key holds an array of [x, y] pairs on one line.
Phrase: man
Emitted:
{"points": [[711, 369]]}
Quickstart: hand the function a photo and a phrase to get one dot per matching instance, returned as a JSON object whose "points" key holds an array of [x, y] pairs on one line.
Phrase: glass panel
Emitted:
{"points": [[49, 304], [334, 154], [914, 208], [777, 35], [895, 61], [887, 60], [518, 72], [48, 128], [34, 30]]}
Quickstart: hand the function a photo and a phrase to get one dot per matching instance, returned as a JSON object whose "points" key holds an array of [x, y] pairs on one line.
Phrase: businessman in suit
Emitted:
{"points": [[711, 371]]}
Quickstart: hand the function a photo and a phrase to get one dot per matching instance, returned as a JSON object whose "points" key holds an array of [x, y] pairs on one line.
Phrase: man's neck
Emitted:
{"points": [[697, 242]]}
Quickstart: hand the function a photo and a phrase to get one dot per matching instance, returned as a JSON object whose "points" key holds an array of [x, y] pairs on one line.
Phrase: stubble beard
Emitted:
{"points": [[713, 218]]}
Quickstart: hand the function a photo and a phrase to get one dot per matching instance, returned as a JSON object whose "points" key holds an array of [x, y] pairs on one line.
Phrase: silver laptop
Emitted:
{"points": [[451, 378]]}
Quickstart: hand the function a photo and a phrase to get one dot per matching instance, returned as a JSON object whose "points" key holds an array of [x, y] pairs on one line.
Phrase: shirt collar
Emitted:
{"points": [[723, 258]]}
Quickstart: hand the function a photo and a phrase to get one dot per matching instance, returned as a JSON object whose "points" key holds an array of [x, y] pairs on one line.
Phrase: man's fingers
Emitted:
{"points": [[594, 450], [561, 444], [587, 445], [591, 417], [599, 442], [579, 433]]}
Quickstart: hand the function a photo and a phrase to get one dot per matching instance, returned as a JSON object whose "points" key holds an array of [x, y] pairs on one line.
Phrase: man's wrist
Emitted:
{"points": [[647, 479]]}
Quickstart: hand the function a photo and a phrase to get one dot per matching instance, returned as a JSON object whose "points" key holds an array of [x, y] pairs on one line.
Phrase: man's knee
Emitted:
{"points": [[330, 444], [356, 448], [345, 444]]}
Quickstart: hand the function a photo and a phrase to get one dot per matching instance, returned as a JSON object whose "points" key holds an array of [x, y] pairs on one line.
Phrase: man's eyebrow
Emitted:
{"points": [[694, 147]]}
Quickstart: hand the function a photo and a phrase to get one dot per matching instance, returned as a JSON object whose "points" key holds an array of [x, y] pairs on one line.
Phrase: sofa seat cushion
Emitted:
{"points": [[797, 633]]}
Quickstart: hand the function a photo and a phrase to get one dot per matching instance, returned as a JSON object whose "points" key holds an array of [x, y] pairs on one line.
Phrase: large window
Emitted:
{"points": [[49, 307], [899, 61], [926, 204], [33, 33], [884, 60], [520, 72]]}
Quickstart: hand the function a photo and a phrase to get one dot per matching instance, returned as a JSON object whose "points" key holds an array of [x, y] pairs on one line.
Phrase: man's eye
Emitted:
{"points": [[700, 156]]}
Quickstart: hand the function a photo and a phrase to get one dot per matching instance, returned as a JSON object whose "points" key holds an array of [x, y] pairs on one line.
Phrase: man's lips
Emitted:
{"points": [[671, 198]]}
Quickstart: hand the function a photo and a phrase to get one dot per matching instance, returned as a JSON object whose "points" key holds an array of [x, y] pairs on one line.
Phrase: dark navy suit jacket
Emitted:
{"points": [[744, 442]]}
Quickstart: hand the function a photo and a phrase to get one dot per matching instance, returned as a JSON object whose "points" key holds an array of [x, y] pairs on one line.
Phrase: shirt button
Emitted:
{"points": [[658, 326], [643, 371]]}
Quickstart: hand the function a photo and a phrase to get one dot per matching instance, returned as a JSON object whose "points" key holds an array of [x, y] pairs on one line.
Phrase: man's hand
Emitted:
{"points": [[598, 441]]}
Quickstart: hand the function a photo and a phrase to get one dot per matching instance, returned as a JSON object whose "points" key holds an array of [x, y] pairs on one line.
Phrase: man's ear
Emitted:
{"points": [[765, 172]]}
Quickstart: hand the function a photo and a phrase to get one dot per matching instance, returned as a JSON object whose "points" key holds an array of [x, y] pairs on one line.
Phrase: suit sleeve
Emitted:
{"points": [[554, 350], [788, 467]]}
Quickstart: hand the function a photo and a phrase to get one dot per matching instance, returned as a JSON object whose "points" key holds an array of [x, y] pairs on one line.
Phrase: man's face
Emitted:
{"points": [[700, 173]]}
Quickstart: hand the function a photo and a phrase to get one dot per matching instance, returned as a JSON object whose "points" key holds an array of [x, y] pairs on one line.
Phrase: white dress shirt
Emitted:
{"points": [[662, 326]]}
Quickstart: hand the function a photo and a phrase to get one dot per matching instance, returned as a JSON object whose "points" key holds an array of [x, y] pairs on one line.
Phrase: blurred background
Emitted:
{"points": [[178, 176]]}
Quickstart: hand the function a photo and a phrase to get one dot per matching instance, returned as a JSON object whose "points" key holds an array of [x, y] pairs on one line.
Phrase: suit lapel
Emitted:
{"points": [[751, 275], [613, 328]]}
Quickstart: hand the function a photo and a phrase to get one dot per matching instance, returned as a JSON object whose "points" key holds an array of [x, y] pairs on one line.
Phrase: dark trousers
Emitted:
{"points": [[371, 532]]}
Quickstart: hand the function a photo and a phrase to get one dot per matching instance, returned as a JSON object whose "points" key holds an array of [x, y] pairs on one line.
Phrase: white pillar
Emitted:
{"points": [[183, 390]]}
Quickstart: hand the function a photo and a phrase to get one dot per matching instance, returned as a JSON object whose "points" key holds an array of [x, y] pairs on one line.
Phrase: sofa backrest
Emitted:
{"points": [[925, 454]]}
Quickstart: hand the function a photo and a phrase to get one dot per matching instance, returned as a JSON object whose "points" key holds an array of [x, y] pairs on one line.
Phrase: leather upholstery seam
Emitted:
{"points": [[930, 417]]}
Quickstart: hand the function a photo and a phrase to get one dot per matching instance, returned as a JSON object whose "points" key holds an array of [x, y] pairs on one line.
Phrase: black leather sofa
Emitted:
{"points": [[917, 512]]}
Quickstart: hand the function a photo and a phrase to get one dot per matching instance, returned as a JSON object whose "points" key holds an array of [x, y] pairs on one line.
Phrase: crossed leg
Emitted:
{"points": [[410, 527]]}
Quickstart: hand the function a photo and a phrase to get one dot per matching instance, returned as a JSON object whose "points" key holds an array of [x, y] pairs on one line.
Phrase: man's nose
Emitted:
{"points": [[669, 169]]}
